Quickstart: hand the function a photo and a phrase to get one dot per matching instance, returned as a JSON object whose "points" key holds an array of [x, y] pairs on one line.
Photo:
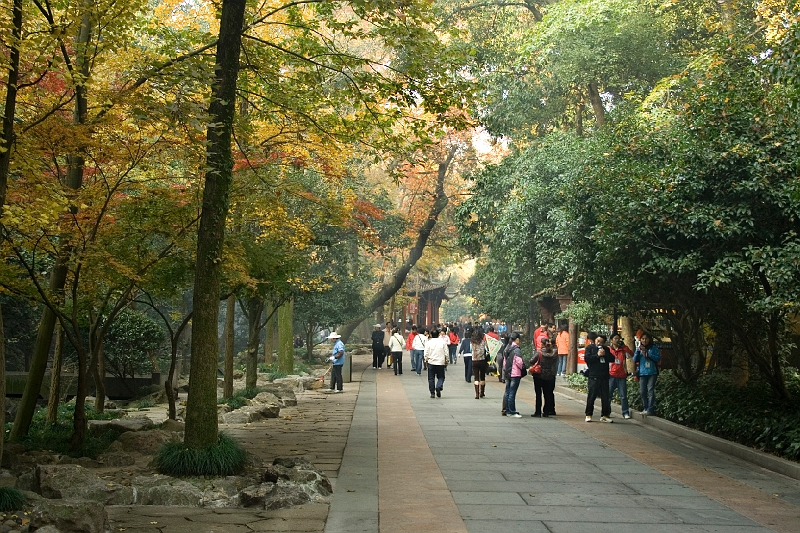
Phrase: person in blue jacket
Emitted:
{"points": [[646, 358], [337, 358]]}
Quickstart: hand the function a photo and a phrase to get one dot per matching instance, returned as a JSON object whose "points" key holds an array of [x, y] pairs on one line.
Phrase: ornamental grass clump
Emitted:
{"points": [[11, 499], [224, 458]]}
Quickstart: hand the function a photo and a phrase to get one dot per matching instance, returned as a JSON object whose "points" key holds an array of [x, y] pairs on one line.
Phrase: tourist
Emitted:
{"points": [[387, 335], [513, 369], [396, 344], [436, 356], [418, 350], [545, 382], [647, 357], [562, 347], [479, 361], [452, 347], [337, 358], [597, 358], [618, 375], [465, 351], [377, 347], [539, 334]]}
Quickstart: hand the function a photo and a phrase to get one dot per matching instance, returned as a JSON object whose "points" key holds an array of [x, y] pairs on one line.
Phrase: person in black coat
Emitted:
{"points": [[377, 347], [597, 357]]}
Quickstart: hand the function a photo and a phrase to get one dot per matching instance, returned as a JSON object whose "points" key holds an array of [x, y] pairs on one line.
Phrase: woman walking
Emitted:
{"points": [[465, 351], [479, 363], [396, 344], [547, 378]]}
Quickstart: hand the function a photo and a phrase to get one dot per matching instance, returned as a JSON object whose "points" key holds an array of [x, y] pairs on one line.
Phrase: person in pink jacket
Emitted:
{"points": [[513, 367]]}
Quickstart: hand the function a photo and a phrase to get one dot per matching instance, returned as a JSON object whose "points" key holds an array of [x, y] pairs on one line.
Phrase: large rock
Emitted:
{"points": [[69, 516], [164, 490], [251, 413], [123, 425], [264, 398], [287, 482], [73, 482], [116, 459], [173, 425], [145, 442]]}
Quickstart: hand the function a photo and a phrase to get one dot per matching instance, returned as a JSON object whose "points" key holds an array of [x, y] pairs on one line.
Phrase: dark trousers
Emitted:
{"points": [[386, 353], [397, 362], [435, 377], [598, 387], [468, 367], [548, 386], [336, 377], [377, 355], [537, 387]]}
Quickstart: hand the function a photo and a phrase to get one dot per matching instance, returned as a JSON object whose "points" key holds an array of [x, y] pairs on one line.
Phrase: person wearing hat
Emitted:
{"points": [[377, 347], [337, 358]]}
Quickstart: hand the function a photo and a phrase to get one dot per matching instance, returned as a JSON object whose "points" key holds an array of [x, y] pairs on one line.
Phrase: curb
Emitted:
{"points": [[745, 453]]}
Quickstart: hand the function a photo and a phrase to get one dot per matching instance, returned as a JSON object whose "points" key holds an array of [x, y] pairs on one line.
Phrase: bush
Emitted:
{"points": [[239, 397], [224, 458], [11, 499], [749, 415], [57, 436]]}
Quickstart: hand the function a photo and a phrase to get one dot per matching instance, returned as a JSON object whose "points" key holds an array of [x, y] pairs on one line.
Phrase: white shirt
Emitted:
{"points": [[419, 342], [396, 343], [436, 351]]}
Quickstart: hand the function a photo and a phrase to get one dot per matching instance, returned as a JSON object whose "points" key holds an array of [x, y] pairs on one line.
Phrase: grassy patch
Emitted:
{"points": [[56, 436], [224, 458], [11, 499], [240, 397]]}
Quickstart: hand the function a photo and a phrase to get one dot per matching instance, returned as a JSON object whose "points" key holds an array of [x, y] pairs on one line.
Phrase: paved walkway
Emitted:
{"points": [[401, 461]]}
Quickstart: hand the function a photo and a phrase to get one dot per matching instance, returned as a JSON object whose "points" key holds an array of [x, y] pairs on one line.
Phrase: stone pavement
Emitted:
{"points": [[401, 461]]}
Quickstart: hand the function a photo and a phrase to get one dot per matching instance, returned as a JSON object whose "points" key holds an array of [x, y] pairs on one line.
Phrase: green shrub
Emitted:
{"points": [[239, 397], [577, 382], [57, 436], [224, 458], [11, 499], [144, 403]]}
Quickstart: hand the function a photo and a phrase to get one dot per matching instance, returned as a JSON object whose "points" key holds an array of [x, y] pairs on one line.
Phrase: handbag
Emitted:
{"points": [[536, 366]]}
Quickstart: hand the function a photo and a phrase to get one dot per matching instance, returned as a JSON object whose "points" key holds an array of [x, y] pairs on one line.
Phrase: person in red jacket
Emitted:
{"points": [[540, 333], [617, 373]]}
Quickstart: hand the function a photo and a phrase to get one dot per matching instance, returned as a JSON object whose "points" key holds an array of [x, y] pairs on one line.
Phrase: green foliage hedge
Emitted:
{"points": [[749, 415], [57, 436], [224, 458], [11, 499]]}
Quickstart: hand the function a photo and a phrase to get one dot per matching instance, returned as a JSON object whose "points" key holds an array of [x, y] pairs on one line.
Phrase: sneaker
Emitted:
{"points": [[606, 419], [643, 413], [626, 416], [338, 391], [516, 415], [588, 418], [503, 413], [438, 392], [536, 415]]}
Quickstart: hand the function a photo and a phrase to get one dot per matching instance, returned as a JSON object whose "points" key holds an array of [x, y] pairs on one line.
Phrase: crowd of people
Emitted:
{"points": [[490, 348]]}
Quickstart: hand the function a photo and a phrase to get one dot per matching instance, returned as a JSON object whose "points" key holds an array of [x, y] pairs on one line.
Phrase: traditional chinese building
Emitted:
{"points": [[427, 297]]}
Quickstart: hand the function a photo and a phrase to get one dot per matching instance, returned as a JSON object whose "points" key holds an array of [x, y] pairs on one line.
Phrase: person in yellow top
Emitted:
{"points": [[562, 347]]}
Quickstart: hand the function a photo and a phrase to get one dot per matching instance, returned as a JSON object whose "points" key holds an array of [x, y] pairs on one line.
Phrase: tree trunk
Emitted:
{"points": [[597, 105], [202, 429], [388, 289], [255, 309], [579, 118], [628, 333], [55, 378], [230, 340], [269, 336], [99, 371], [572, 354], [285, 338]]}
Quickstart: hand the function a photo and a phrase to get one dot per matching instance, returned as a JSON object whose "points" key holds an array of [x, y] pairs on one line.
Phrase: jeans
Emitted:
{"points": [[416, 360], [336, 376], [510, 396], [453, 352], [562, 365], [435, 377], [647, 388], [397, 362], [468, 367], [598, 387], [621, 385]]}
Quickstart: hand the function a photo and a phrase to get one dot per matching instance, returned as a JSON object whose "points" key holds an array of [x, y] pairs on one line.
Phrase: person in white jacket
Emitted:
{"points": [[418, 350], [396, 344], [437, 354]]}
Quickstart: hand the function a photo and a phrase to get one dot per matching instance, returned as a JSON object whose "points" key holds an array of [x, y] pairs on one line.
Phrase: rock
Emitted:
{"points": [[173, 425], [256, 495], [174, 492], [116, 459], [26, 481], [287, 482], [69, 516], [11, 454], [265, 398], [285, 394], [123, 425], [73, 482], [85, 462], [145, 442], [251, 413], [48, 529]]}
